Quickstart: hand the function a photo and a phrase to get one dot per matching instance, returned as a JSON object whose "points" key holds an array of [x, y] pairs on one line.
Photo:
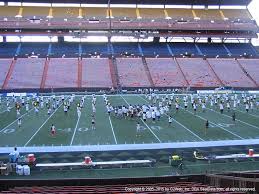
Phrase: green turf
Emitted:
{"points": [[35, 129]]}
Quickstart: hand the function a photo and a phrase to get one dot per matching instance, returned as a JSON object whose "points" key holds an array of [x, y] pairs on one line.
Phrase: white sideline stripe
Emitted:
{"points": [[247, 113], [214, 124], [112, 130], [16, 120], [236, 119], [145, 123], [74, 133], [42, 125], [180, 124]]}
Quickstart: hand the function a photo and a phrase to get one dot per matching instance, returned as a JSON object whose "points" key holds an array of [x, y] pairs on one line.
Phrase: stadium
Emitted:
{"points": [[137, 96]]}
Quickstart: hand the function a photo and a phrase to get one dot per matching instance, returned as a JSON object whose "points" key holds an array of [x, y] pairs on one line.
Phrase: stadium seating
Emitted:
{"points": [[154, 49], [230, 73], [62, 73], [212, 49], [122, 13], [9, 11], [240, 49], [65, 12], [27, 73], [181, 48], [4, 66], [151, 12], [210, 14], [198, 73], [132, 72], [165, 73], [178, 14], [98, 13], [32, 12], [65, 49], [39, 49], [130, 48], [252, 67], [96, 73], [8, 49], [233, 14], [89, 49]]}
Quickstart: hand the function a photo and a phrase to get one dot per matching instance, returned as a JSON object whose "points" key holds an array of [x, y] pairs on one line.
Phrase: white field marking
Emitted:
{"points": [[113, 130], [236, 119], [43, 124], [247, 113], [16, 120], [74, 133], [180, 124], [144, 123], [213, 123]]}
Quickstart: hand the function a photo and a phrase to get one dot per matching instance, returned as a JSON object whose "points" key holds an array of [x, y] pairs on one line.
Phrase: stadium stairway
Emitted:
{"points": [[148, 72], [44, 76], [79, 73], [114, 73], [247, 74], [178, 65], [220, 81], [8, 76]]}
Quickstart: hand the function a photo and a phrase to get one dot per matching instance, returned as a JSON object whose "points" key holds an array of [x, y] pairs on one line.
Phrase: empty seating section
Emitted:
{"points": [[8, 49], [62, 12], [240, 49], [6, 11], [130, 48], [182, 48], [30, 12], [165, 73], [212, 49], [178, 14], [65, 49], [131, 72], [94, 12], [96, 73], [235, 14], [124, 13], [151, 13], [210, 14], [252, 67], [27, 73], [198, 73], [153, 49], [230, 73], [39, 49], [62, 73], [89, 49], [4, 67]]}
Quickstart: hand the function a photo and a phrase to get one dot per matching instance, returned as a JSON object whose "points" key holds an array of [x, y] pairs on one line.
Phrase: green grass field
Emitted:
{"points": [[71, 130]]}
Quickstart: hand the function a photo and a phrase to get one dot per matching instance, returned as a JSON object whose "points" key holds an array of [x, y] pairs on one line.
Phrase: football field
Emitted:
{"points": [[73, 130]]}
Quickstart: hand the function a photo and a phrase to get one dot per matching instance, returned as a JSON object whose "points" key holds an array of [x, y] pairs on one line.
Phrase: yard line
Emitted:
{"points": [[247, 113], [112, 130], [179, 124], [16, 120], [43, 125], [236, 119], [144, 123], [74, 133], [213, 123]]}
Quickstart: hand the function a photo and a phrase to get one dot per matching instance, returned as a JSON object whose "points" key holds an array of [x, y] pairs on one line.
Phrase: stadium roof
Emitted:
{"points": [[170, 2]]}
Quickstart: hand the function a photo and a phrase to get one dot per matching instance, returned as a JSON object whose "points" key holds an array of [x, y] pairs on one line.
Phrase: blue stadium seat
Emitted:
{"points": [[182, 48], [90, 48], [39, 49], [240, 49], [8, 49], [66, 49], [212, 49], [130, 48], [153, 49]]}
